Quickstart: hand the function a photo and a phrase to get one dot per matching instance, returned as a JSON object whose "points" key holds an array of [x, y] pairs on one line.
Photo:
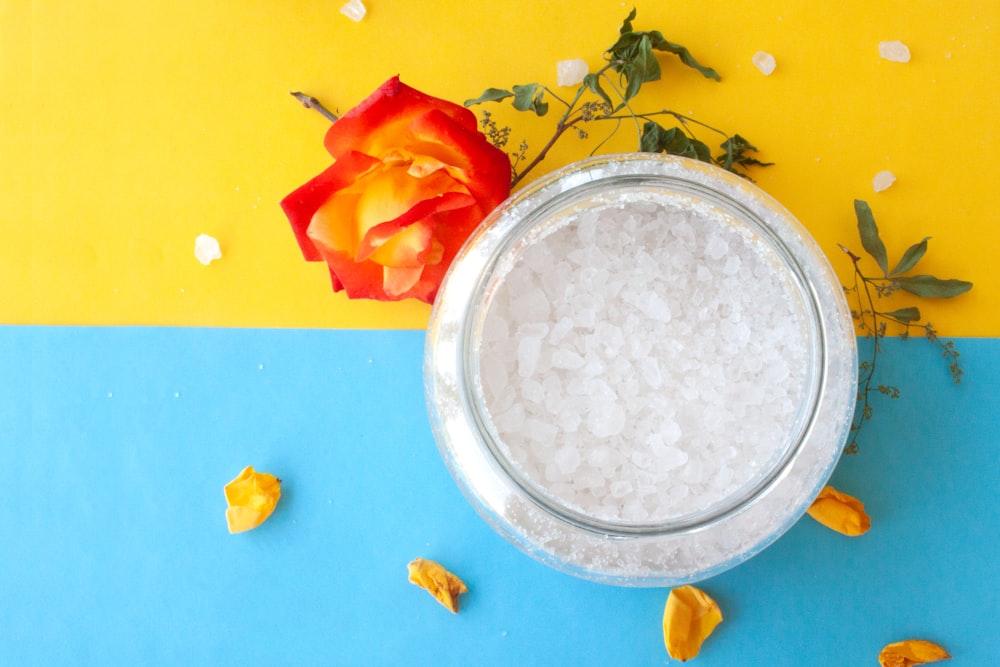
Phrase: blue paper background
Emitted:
{"points": [[115, 444]]}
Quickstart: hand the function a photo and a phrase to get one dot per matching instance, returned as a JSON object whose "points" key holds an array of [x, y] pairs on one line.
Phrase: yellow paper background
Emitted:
{"points": [[129, 128]]}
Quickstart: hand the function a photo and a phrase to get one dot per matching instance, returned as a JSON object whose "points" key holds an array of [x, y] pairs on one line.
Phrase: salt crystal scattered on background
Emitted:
{"points": [[206, 249], [883, 180], [570, 72], [354, 10], [764, 61], [894, 51]]}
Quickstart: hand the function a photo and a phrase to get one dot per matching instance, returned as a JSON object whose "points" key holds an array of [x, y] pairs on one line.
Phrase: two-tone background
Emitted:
{"points": [[135, 382]]}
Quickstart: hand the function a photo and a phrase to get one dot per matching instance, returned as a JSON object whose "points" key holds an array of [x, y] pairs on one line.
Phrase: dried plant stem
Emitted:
{"points": [[310, 102]]}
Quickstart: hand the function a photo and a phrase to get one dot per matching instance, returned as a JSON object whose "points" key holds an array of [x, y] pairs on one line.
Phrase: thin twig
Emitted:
{"points": [[310, 102]]}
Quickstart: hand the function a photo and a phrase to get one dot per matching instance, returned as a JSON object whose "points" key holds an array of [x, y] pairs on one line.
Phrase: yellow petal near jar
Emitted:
{"points": [[439, 582], [911, 652], [840, 512], [689, 618], [251, 497]]}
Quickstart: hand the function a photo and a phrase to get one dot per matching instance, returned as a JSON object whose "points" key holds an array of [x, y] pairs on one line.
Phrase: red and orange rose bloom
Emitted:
{"points": [[412, 177]]}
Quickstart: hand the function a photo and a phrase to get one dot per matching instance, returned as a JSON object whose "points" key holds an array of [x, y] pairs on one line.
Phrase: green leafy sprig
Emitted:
{"points": [[874, 323], [602, 96]]}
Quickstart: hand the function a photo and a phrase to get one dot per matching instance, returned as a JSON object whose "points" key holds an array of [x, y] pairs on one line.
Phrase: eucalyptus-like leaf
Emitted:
{"points": [[593, 83], [910, 257], [931, 287], [736, 148], [657, 139], [627, 24], [661, 44], [490, 95], [870, 240], [529, 98], [907, 315]]}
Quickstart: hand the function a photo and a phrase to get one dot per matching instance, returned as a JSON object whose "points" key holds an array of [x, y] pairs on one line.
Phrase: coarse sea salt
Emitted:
{"points": [[354, 10], [894, 51], [883, 180], [206, 249], [687, 332], [660, 375], [571, 72], [765, 62]]}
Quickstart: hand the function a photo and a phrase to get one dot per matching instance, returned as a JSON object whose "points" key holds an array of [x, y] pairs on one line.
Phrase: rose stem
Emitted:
{"points": [[310, 102]]}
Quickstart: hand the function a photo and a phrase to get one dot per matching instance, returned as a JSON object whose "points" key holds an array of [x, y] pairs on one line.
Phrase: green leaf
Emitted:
{"points": [[736, 148], [627, 24], [661, 44], [632, 57], [910, 257], [869, 234], [657, 139], [593, 83], [490, 95], [931, 287], [529, 98], [910, 314]]}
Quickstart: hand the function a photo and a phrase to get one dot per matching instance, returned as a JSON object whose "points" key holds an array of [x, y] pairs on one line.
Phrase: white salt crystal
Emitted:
{"points": [[716, 248], [764, 61], [528, 351], [567, 459], [354, 10], [606, 420], [894, 51], [620, 488], [650, 370], [561, 328], [604, 457], [571, 72], [533, 330], [567, 359], [206, 249], [883, 180]]}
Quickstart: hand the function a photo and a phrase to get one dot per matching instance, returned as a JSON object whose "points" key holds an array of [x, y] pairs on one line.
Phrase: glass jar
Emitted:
{"points": [[716, 395]]}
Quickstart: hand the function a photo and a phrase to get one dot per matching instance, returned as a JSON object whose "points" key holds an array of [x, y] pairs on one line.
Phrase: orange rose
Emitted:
{"points": [[412, 177]]}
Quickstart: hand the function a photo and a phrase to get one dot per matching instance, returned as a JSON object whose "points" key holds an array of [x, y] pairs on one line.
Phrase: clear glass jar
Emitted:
{"points": [[548, 516]]}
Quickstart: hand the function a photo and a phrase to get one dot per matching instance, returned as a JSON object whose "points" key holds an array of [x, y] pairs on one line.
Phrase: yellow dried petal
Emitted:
{"points": [[688, 618], [251, 497], [911, 652], [840, 512], [439, 582]]}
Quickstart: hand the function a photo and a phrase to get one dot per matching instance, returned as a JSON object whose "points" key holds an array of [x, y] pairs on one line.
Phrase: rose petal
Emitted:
{"points": [[251, 497], [482, 168], [439, 582], [911, 652], [840, 512], [302, 203], [380, 122], [393, 199], [689, 617], [398, 280], [407, 248]]}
